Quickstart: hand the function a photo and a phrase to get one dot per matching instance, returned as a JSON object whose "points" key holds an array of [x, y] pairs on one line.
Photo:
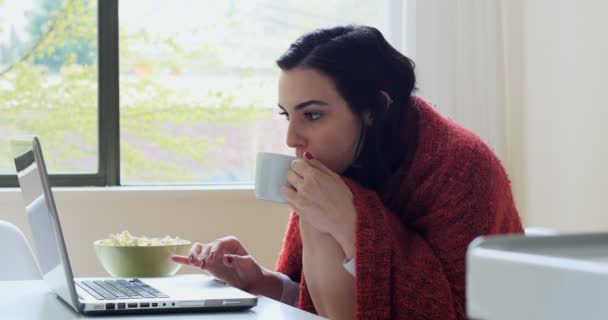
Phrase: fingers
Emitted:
{"points": [[313, 162], [232, 269], [212, 252], [224, 259], [307, 168], [203, 257], [186, 260], [199, 255], [294, 179], [210, 256], [244, 270], [195, 250], [241, 262], [290, 195], [181, 259], [301, 168]]}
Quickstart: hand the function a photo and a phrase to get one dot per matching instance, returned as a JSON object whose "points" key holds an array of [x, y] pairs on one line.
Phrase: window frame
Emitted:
{"points": [[108, 139]]}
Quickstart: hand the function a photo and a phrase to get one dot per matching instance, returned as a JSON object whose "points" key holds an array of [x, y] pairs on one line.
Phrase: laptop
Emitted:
{"points": [[106, 295]]}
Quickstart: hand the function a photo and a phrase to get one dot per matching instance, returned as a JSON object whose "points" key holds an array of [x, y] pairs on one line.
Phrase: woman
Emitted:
{"points": [[386, 198]]}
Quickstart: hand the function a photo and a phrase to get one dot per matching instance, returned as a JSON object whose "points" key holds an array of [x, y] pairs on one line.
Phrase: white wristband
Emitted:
{"points": [[291, 290], [350, 266]]}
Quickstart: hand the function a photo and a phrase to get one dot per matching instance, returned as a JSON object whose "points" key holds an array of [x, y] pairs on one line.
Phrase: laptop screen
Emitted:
{"points": [[43, 219]]}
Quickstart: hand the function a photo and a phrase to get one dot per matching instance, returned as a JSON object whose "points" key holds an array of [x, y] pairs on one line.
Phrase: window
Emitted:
{"points": [[48, 82], [187, 88]]}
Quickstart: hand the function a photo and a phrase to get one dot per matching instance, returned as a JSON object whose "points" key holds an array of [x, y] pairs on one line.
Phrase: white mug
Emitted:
{"points": [[270, 175]]}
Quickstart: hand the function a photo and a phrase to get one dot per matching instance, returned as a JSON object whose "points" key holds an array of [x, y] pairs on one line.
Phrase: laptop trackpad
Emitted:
{"points": [[196, 287]]}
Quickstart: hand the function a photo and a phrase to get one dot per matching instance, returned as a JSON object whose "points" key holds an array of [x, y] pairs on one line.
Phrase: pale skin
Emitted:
{"points": [[324, 133]]}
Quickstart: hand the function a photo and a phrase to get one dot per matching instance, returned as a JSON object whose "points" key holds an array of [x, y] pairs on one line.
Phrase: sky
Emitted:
{"points": [[12, 13]]}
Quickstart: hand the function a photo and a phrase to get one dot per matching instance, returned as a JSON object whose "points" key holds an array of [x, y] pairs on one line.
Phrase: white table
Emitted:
{"points": [[32, 299]]}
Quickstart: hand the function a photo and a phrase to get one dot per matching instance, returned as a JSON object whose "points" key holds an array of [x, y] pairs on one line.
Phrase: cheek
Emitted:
{"points": [[336, 149]]}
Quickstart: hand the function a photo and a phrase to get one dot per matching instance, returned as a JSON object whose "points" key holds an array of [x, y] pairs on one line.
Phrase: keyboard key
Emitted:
{"points": [[97, 288], [116, 292], [89, 291], [147, 288]]}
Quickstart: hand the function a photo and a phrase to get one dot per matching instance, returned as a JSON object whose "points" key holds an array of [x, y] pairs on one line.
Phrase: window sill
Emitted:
{"points": [[168, 188]]}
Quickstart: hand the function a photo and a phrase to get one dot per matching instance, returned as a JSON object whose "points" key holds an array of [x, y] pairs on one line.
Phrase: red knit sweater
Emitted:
{"points": [[410, 261]]}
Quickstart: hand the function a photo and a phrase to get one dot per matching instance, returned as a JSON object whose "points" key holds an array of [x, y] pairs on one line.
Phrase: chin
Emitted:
{"points": [[339, 170]]}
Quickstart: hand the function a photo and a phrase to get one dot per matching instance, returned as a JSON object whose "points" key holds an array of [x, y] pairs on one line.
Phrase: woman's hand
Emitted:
{"points": [[227, 260], [322, 199]]}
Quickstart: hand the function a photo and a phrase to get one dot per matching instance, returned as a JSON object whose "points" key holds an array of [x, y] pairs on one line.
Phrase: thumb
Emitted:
{"points": [[235, 261], [313, 162]]}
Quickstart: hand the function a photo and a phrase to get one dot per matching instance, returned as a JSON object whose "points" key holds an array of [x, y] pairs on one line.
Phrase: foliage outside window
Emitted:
{"points": [[48, 81]]}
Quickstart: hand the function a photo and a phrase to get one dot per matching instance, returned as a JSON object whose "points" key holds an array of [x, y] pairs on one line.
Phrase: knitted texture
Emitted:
{"points": [[410, 261]]}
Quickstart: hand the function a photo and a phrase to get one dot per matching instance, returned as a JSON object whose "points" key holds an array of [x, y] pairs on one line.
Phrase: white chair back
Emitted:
{"points": [[18, 261]]}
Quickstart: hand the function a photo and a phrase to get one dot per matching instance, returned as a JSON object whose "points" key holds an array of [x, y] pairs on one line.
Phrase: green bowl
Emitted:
{"points": [[140, 261]]}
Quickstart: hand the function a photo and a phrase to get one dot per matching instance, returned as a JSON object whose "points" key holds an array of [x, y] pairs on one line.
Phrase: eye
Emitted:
{"points": [[285, 114], [313, 115]]}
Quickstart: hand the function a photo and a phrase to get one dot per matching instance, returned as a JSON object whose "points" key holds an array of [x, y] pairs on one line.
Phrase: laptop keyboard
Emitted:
{"points": [[120, 289]]}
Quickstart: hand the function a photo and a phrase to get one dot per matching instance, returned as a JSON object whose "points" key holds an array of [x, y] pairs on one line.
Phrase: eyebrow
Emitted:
{"points": [[306, 104]]}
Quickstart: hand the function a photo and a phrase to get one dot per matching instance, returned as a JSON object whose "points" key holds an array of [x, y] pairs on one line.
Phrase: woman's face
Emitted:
{"points": [[320, 120]]}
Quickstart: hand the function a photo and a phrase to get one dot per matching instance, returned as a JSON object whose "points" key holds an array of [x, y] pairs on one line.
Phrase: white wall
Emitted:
{"points": [[191, 213], [459, 64], [557, 69]]}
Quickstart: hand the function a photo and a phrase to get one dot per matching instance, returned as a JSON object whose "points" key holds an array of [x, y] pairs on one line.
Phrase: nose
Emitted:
{"points": [[294, 137]]}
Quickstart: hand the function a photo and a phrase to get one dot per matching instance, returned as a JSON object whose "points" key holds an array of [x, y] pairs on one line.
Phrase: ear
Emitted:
{"points": [[387, 97]]}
